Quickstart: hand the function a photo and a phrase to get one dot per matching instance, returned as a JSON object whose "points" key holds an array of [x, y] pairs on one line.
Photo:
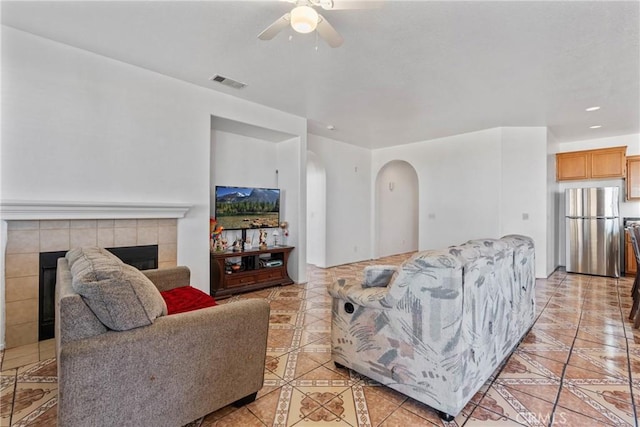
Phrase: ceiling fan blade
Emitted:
{"points": [[328, 33], [272, 30], [350, 4]]}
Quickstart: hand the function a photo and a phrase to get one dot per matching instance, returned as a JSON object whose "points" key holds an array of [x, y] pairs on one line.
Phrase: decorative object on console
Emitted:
{"points": [[284, 225], [263, 239], [248, 244], [217, 242], [275, 238]]}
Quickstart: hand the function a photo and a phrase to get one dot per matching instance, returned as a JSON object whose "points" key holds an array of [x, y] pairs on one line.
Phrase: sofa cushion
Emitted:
{"points": [[378, 275], [186, 298], [120, 296], [85, 263]]}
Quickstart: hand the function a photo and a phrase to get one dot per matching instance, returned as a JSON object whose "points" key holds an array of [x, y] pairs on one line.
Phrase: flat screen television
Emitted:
{"points": [[239, 208]]}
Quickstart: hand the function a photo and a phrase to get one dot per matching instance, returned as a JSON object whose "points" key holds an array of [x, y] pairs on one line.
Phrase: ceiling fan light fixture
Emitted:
{"points": [[304, 19]]}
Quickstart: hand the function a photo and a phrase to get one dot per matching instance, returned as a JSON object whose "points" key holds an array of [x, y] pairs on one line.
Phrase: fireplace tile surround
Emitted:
{"points": [[27, 238]]}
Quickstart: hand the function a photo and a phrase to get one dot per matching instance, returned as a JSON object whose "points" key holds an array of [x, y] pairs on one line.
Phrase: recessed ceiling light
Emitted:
{"points": [[331, 127], [596, 108], [595, 127]]}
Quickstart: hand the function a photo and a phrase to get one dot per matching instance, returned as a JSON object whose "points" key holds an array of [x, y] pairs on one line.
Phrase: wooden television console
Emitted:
{"points": [[251, 275]]}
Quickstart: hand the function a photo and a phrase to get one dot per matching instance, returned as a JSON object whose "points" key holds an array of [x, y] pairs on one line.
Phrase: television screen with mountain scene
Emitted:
{"points": [[246, 207]]}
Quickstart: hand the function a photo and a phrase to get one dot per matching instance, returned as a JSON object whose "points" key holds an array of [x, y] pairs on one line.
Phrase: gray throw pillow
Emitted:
{"points": [[119, 295], [378, 275]]}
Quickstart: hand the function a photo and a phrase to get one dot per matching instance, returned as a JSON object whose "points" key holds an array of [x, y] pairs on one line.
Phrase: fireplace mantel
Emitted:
{"points": [[53, 210]]}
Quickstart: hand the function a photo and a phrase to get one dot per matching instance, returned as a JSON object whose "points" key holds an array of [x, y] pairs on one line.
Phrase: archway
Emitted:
{"points": [[396, 209], [316, 210]]}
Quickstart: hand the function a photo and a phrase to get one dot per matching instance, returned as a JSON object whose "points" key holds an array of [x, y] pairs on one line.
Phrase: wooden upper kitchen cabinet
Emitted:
{"points": [[609, 162], [591, 164], [633, 178], [574, 165]]}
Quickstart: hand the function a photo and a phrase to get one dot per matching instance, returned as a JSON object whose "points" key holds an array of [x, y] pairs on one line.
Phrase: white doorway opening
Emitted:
{"points": [[396, 209]]}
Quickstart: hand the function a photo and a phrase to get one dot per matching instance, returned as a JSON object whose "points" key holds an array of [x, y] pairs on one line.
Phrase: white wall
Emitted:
{"points": [[348, 168], [240, 161], [627, 208], [396, 208], [459, 184], [89, 128], [316, 211], [524, 188], [478, 185]]}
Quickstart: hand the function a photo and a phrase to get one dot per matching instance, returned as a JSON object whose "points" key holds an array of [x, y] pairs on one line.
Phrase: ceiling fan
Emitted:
{"points": [[303, 18]]}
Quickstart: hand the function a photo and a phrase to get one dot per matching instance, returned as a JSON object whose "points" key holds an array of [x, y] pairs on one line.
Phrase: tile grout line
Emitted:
{"points": [[582, 313], [566, 363], [555, 289], [13, 396], [629, 371]]}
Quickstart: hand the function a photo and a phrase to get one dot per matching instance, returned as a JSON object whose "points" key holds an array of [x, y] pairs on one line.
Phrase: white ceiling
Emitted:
{"points": [[410, 71]]}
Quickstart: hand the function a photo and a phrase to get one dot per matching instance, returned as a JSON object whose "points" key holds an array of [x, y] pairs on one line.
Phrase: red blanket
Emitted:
{"points": [[186, 298]]}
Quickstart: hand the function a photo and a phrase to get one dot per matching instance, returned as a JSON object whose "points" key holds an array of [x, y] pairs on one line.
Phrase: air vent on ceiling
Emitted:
{"points": [[227, 81]]}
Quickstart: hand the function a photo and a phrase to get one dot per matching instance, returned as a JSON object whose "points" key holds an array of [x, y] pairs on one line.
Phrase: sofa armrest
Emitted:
{"points": [[181, 367], [169, 278], [354, 293]]}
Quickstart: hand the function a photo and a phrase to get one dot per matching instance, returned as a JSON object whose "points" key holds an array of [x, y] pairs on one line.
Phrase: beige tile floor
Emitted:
{"points": [[579, 366]]}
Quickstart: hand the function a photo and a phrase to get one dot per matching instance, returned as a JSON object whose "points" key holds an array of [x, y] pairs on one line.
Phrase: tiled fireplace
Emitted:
{"points": [[28, 235], [26, 239]]}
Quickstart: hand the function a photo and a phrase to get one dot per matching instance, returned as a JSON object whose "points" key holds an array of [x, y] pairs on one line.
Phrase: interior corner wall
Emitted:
{"points": [[292, 180], [553, 219], [348, 199], [316, 211], [92, 129], [524, 188]]}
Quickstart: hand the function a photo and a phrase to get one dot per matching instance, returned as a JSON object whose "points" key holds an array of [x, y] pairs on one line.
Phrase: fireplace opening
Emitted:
{"points": [[141, 257]]}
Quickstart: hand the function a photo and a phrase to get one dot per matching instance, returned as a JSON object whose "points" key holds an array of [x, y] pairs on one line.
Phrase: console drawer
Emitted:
{"points": [[273, 273], [242, 280]]}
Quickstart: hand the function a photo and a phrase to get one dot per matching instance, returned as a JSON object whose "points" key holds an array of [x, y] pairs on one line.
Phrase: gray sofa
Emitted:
{"points": [[438, 326], [169, 371]]}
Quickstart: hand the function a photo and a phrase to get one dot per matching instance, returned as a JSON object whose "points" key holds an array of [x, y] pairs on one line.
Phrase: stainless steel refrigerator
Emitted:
{"points": [[593, 231]]}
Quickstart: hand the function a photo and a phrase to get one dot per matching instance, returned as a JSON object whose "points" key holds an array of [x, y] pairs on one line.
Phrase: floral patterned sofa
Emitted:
{"points": [[438, 326]]}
